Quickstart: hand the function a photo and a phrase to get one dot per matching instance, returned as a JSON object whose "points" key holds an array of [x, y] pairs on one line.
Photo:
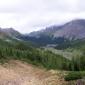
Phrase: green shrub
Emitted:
{"points": [[73, 76]]}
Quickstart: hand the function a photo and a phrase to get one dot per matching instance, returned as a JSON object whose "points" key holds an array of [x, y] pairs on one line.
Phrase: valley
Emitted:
{"points": [[42, 42], [53, 56], [67, 53]]}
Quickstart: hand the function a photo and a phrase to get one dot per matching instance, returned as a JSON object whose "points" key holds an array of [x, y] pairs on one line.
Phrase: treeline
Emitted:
{"points": [[78, 63], [47, 59], [75, 44], [32, 55]]}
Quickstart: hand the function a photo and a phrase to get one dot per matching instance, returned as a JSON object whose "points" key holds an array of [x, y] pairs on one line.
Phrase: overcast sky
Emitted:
{"points": [[30, 15]]}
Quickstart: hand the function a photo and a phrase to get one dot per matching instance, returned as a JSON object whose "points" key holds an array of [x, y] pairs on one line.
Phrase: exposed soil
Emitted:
{"points": [[19, 73]]}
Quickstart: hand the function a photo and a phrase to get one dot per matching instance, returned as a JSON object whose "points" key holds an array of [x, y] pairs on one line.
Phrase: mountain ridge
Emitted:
{"points": [[76, 26], [70, 31]]}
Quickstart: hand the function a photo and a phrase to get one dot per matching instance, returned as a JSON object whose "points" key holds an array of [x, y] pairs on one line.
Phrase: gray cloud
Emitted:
{"points": [[31, 15]]}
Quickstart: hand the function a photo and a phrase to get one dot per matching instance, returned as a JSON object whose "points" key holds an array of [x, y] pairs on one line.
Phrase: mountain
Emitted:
{"points": [[49, 31], [9, 33], [73, 30], [9, 37]]}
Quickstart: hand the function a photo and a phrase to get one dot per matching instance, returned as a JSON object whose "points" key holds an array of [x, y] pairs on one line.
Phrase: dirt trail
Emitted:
{"points": [[18, 73]]}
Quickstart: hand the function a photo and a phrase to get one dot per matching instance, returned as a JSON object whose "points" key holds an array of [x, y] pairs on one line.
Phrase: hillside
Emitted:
{"points": [[27, 74], [9, 33], [73, 30], [31, 63], [25, 51]]}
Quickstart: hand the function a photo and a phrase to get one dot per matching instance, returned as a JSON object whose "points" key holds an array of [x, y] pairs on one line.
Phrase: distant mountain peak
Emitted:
{"points": [[9, 29], [11, 33], [74, 29]]}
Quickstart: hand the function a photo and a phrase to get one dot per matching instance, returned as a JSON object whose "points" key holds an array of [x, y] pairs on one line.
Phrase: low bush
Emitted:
{"points": [[74, 75]]}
